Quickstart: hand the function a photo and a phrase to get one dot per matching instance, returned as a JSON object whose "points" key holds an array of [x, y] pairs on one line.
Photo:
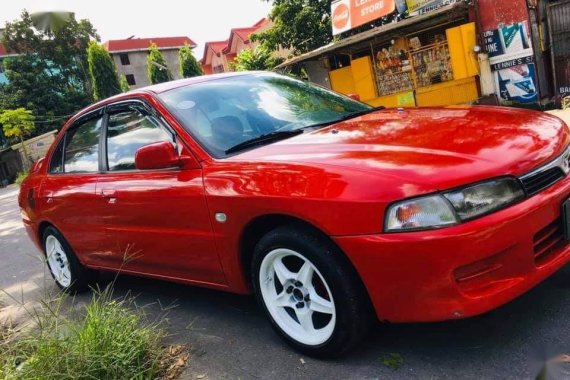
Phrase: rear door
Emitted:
{"points": [[157, 220], [67, 195]]}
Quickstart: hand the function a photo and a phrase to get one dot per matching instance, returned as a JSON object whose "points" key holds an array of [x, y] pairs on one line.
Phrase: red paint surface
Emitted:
{"points": [[494, 14], [340, 179]]}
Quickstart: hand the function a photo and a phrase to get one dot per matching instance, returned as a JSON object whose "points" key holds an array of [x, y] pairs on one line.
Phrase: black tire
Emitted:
{"points": [[354, 314], [81, 277]]}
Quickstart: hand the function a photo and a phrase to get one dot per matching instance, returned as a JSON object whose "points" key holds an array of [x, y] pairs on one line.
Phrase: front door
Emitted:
{"points": [[158, 220]]}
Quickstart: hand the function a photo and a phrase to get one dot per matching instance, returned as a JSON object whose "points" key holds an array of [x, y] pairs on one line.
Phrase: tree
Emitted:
{"points": [[158, 72], [103, 72], [49, 75], [301, 25], [254, 59], [18, 123], [124, 84], [189, 66]]}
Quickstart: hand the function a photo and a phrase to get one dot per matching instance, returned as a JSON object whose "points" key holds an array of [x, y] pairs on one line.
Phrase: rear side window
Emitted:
{"points": [[82, 147], [128, 131]]}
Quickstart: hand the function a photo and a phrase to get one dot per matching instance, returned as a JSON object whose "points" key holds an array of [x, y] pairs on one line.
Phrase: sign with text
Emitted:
{"points": [[349, 14], [420, 7], [508, 46], [511, 58]]}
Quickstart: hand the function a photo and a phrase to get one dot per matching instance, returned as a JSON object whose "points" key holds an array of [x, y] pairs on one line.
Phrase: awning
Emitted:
{"points": [[447, 13]]}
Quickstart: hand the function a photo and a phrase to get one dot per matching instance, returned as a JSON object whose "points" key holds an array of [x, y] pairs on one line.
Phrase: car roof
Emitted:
{"points": [[166, 86], [162, 87]]}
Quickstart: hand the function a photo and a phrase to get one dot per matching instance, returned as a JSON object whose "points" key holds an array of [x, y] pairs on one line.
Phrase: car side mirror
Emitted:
{"points": [[354, 96], [159, 155]]}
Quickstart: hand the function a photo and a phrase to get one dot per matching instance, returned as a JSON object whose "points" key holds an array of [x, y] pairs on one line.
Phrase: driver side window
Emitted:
{"points": [[126, 132]]}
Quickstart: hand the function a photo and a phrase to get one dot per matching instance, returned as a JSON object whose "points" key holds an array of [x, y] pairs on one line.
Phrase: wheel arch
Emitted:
{"points": [[261, 225], [42, 228]]}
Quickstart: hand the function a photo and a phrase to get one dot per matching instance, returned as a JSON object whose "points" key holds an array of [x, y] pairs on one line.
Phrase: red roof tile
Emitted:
{"points": [[2, 50], [224, 47], [144, 43], [216, 46], [260, 23]]}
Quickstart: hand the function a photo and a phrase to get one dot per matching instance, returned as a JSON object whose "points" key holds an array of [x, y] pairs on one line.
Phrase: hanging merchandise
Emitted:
{"points": [[393, 70], [432, 63]]}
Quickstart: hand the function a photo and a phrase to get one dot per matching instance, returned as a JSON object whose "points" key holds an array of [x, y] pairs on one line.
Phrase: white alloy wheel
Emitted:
{"points": [[297, 297], [58, 261]]}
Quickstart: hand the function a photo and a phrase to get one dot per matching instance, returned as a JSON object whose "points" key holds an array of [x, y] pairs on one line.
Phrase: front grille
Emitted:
{"points": [[547, 241], [534, 183]]}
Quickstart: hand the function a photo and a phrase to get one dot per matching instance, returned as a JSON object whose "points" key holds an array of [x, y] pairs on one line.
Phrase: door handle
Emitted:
{"points": [[109, 194]]}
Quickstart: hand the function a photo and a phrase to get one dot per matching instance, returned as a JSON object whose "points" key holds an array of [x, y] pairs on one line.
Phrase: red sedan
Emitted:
{"points": [[330, 211]]}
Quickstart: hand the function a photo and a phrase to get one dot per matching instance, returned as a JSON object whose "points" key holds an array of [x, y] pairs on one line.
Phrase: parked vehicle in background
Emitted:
{"points": [[333, 213]]}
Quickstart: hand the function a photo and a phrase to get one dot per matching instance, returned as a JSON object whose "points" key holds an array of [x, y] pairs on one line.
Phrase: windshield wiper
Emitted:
{"points": [[268, 137], [351, 115]]}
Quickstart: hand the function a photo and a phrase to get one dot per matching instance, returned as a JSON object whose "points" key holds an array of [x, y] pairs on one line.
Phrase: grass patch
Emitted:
{"points": [[107, 339]]}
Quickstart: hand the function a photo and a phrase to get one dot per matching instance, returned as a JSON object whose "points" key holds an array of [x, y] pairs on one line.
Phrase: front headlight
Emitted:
{"points": [[482, 198], [419, 213], [451, 207]]}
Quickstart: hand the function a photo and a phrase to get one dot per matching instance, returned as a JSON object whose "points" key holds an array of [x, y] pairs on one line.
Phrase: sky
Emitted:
{"points": [[201, 20]]}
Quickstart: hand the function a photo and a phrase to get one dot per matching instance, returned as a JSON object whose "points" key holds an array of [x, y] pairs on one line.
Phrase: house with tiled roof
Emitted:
{"points": [[130, 56], [214, 60], [219, 54]]}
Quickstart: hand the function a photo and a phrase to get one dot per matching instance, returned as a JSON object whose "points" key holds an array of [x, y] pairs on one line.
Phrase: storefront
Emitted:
{"points": [[425, 60], [435, 67]]}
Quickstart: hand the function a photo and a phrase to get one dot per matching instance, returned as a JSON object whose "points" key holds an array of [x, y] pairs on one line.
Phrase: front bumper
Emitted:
{"points": [[464, 270]]}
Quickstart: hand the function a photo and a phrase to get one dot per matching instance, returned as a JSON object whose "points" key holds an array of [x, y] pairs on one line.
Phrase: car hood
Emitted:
{"points": [[439, 148]]}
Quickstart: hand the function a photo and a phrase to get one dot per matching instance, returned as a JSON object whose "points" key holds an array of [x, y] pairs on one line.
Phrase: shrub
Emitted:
{"points": [[108, 341]]}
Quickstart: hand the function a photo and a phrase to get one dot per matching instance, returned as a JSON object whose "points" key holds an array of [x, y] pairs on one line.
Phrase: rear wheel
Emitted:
{"points": [[310, 292], [65, 268]]}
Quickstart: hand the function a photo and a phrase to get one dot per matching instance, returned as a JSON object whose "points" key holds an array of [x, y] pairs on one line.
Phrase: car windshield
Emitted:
{"points": [[231, 114]]}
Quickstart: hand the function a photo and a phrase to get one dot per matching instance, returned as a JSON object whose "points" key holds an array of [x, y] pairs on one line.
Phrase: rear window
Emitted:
{"points": [[82, 148]]}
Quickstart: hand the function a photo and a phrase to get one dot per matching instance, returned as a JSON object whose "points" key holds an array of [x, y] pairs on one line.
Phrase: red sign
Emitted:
{"points": [[348, 14]]}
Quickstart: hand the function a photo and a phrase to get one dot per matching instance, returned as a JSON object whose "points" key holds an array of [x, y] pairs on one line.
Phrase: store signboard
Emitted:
{"points": [[349, 14], [419, 7], [508, 46], [511, 58]]}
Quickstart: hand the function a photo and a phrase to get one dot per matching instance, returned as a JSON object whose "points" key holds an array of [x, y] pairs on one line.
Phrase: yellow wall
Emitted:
{"points": [[342, 80], [446, 93], [461, 41], [363, 78]]}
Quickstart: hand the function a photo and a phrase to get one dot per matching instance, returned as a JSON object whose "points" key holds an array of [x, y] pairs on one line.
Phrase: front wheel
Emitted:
{"points": [[310, 292]]}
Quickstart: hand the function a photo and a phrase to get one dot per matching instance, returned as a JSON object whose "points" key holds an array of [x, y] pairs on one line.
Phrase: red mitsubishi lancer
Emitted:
{"points": [[331, 212]]}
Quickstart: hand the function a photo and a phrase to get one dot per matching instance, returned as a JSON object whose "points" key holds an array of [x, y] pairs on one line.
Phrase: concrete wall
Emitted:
{"points": [[38, 146], [138, 65]]}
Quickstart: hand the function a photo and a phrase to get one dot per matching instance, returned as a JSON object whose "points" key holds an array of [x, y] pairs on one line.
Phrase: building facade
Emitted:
{"points": [[131, 56]]}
